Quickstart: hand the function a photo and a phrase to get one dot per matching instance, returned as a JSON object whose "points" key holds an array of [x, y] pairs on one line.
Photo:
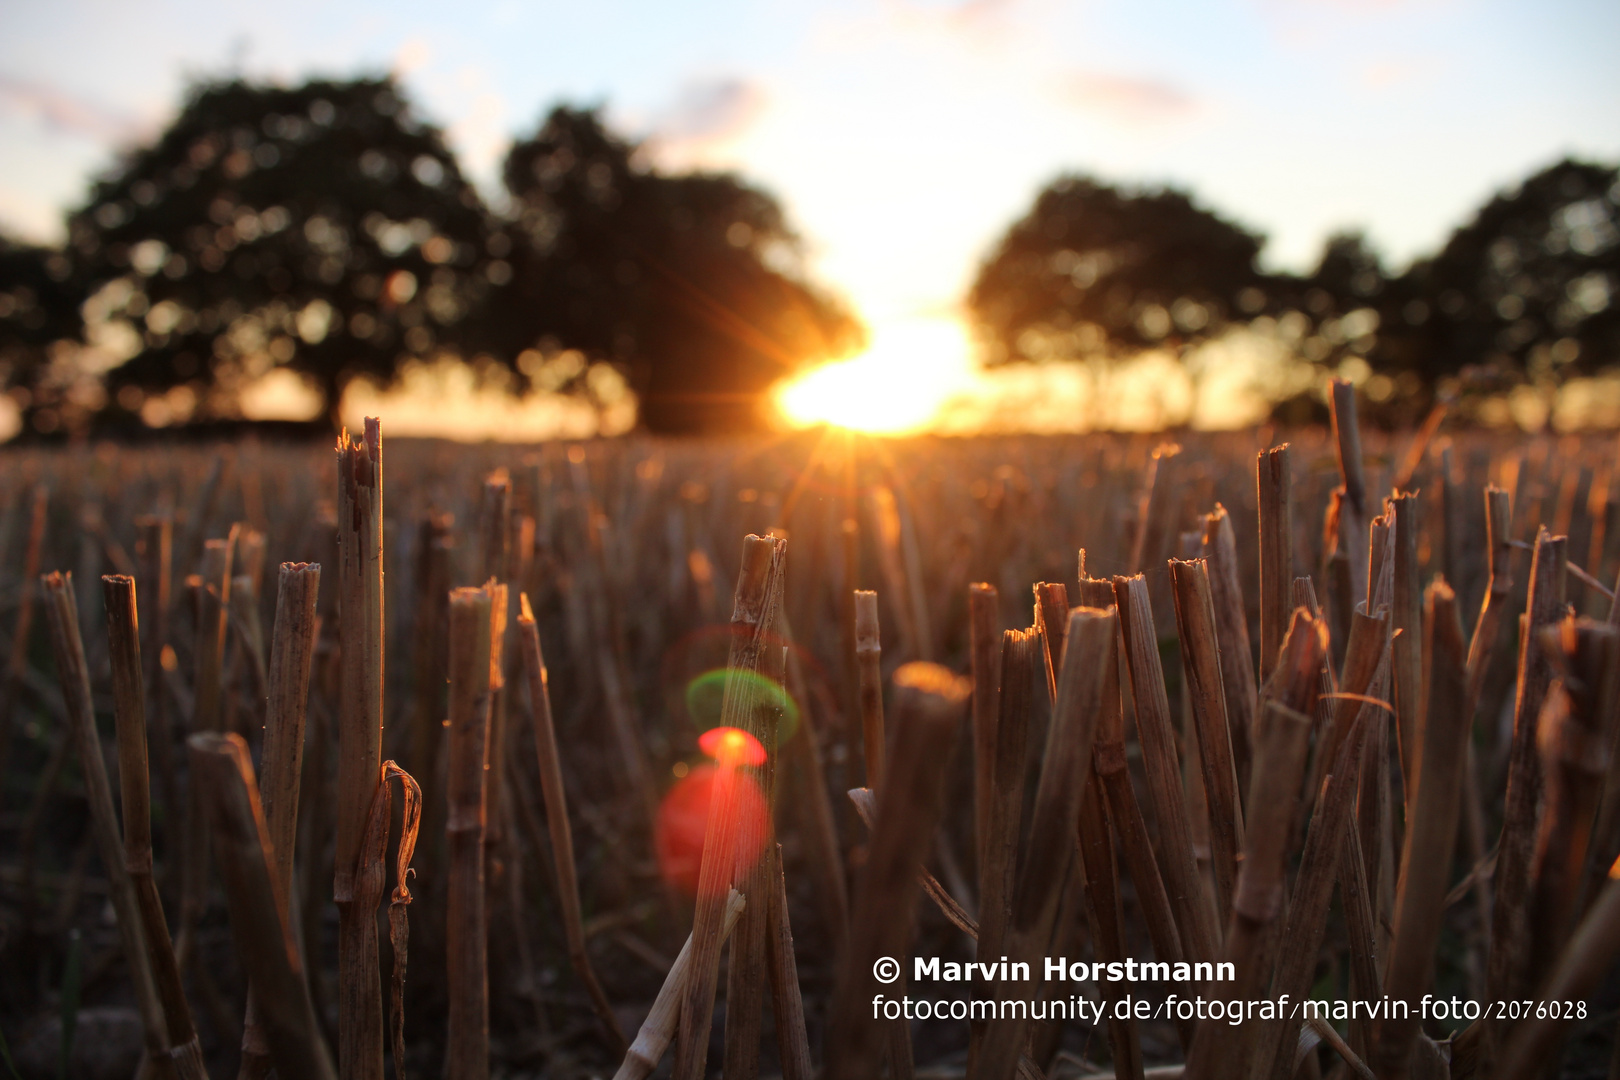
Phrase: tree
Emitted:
{"points": [[1094, 269], [322, 228], [1526, 289], [690, 284], [40, 302]]}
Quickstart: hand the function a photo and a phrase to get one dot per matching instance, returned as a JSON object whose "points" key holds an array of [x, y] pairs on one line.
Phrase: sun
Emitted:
{"points": [[898, 386]]}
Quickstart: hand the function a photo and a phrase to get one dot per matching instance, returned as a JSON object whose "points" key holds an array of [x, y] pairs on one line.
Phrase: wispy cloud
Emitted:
{"points": [[706, 117], [1125, 97], [63, 113]]}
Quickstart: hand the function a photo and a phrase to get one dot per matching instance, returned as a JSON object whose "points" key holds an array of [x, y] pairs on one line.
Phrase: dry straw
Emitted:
{"points": [[754, 607], [61, 612], [292, 650], [264, 941], [1088, 664], [123, 639], [467, 1056], [562, 837], [359, 766], [929, 702]]}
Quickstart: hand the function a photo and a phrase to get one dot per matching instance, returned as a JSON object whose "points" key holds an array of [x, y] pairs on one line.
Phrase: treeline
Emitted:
{"points": [[327, 230], [1524, 292]]}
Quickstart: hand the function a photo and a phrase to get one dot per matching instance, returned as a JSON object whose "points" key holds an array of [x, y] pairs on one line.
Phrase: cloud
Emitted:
{"points": [[706, 117], [1126, 97], [712, 110], [63, 113]]}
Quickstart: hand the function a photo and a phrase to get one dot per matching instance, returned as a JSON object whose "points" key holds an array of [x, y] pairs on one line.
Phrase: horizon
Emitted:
{"points": [[901, 138]]}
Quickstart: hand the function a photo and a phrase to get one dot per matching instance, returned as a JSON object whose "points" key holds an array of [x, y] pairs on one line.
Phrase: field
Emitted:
{"points": [[1421, 800]]}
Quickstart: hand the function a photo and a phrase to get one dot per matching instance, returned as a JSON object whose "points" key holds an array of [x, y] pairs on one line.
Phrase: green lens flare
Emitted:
{"points": [[705, 693]]}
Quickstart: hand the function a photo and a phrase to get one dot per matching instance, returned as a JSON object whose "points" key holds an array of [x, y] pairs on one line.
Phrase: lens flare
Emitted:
{"points": [[706, 693], [731, 746], [683, 821]]}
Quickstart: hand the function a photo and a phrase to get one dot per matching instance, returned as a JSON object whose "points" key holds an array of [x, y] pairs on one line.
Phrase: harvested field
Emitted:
{"points": [[1224, 760]]}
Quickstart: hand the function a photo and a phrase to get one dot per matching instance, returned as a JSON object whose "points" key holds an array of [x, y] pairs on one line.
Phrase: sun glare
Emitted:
{"points": [[896, 387]]}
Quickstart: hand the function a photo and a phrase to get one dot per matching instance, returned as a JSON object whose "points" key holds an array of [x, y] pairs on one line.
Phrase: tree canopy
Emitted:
{"points": [[322, 228], [690, 283], [1094, 268], [1524, 291], [326, 230], [39, 306]]}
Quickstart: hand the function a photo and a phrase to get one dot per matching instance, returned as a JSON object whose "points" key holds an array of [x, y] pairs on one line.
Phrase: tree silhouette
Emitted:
{"points": [[322, 228], [1094, 269], [1526, 289], [40, 302], [690, 284]]}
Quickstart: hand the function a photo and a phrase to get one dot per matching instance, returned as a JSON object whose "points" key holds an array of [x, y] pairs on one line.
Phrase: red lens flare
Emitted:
{"points": [[683, 821], [732, 746]]}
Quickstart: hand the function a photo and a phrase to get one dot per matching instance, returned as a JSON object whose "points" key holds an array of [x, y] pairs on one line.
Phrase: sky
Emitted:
{"points": [[902, 136]]}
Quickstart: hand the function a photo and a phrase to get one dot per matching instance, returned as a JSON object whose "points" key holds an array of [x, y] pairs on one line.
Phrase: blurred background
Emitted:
{"points": [[516, 221]]}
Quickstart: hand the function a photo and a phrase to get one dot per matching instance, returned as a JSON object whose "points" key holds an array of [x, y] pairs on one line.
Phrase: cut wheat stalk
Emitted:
{"points": [[1156, 510], [1106, 919], [61, 613], [1406, 616], [1352, 523], [562, 837], [360, 725], [1189, 897], [1331, 1036], [748, 974], [467, 1056], [1420, 445], [493, 539], [1319, 867], [1431, 828], [1221, 1050], [1088, 663], [154, 535], [1574, 750], [1274, 482], [1051, 620], [213, 615], [1355, 894], [755, 603], [1020, 656], [1604, 845], [292, 651], [802, 754], [984, 638], [792, 1042], [1507, 973], [663, 1021], [259, 926], [929, 701], [1232, 633], [1117, 795], [249, 643], [869, 665], [1586, 960], [371, 879], [123, 639], [1380, 562], [1201, 657], [865, 802], [435, 547]]}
